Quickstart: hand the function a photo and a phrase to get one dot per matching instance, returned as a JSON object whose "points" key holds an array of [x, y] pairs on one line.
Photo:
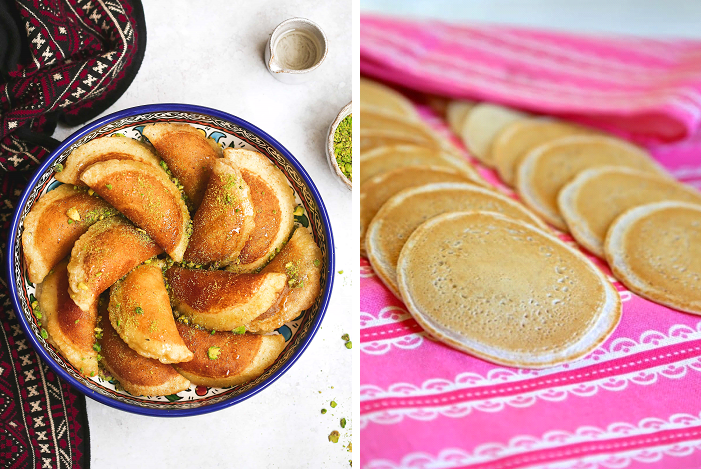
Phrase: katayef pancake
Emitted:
{"points": [[378, 190], [385, 159], [518, 138], [378, 96], [483, 124], [655, 250], [456, 114], [507, 292], [547, 168], [592, 200], [405, 211]]}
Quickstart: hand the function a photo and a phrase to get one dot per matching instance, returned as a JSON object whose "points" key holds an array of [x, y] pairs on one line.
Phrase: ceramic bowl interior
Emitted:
{"points": [[228, 131], [330, 155]]}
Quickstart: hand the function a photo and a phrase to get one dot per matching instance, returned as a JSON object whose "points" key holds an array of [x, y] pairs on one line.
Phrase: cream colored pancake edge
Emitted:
{"points": [[456, 114], [608, 320], [401, 103], [473, 133], [615, 255], [382, 266]]}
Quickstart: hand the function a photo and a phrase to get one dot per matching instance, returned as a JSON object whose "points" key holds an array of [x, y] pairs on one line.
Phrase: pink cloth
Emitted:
{"points": [[635, 402], [647, 88]]}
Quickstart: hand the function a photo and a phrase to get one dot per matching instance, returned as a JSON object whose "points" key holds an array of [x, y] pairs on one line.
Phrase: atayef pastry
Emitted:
{"points": [[300, 260], [505, 291], [226, 359], [147, 197], [137, 374], [224, 221], [188, 153], [103, 255], [222, 300], [273, 201], [54, 224], [140, 312], [71, 330], [102, 149]]}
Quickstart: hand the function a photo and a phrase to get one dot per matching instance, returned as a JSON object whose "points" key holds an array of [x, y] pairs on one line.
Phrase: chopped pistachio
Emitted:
{"points": [[58, 168], [73, 214], [35, 303], [76, 321], [139, 310], [213, 352], [343, 423], [299, 211], [91, 192], [70, 222], [44, 334], [333, 404], [333, 437], [316, 262], [323, 411], [109, 186], [37, 313], [82, 286], [239, 330], [340, 272], [213, 332], [97, 348], [345, 337], [349, 345]]}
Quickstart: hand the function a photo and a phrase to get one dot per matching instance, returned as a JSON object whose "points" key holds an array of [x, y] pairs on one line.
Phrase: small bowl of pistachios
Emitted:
{"points": [[339, 146]]}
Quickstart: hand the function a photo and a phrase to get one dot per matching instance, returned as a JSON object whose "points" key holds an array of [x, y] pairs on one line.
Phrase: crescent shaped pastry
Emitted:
{"points": [[225, 359], [300, 260], [224, 220], [222, 300], [273, 201], [103, 255], [147, 197], [71, 330], [188, 153], [54, 224], [103, 149], [139, 311], [137, 374]]}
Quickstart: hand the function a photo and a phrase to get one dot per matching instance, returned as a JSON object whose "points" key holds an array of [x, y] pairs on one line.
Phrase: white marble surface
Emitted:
{"points": [[211, 54]]}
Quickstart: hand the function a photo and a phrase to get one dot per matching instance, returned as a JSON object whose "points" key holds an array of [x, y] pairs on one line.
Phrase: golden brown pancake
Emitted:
{"points": [[371, 139], [137, 374], [456, 114], [239, 357], [222, 300], [273, 201], [301, 261], [103, 149], [104, 254], [547, 168], [71, 330], [378, 96], [385, 159], [518, 138], [147, 197], [139, 311], [379, 120], [50, 232], [502, 290], [378, 190], [225, 219], [483, 123], [655, 250], [405, 211], [592, 200], [188, 153]]}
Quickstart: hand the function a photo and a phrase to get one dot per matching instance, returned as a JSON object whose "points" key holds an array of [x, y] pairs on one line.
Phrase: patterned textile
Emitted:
{"points": [[67, 60], [634, 402]]}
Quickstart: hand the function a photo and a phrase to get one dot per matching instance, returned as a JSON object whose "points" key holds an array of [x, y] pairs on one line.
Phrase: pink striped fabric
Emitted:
{"points": [[648, 88], [635, 402]]}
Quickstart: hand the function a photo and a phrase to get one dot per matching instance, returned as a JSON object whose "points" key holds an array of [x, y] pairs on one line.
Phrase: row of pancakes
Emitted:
{"points": [[115, 252], [494, 281]]}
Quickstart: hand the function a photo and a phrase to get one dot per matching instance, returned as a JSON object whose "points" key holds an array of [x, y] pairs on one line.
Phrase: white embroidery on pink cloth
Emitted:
{"points": [[638, 362], [588, 447], [387, 331]]}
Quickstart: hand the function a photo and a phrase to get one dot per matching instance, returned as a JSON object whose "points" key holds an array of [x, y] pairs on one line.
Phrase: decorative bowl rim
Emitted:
{"points": [[143, 109]]}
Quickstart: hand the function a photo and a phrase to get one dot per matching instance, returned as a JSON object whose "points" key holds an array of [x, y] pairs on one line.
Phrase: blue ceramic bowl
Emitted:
{"points": [[228, 130]]}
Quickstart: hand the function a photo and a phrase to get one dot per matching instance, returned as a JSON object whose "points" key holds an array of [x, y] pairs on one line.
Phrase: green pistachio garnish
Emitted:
{"points": [[213, 352], [323, 411], [333, 437], [44, 334], [58, 168], [73, 214], [239, 330], [343, 423], [333, 404], [109, 186], [139, 310]]}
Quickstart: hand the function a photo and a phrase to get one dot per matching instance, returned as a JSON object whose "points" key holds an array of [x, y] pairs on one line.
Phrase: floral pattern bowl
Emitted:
{"points": [[228, 131]]}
